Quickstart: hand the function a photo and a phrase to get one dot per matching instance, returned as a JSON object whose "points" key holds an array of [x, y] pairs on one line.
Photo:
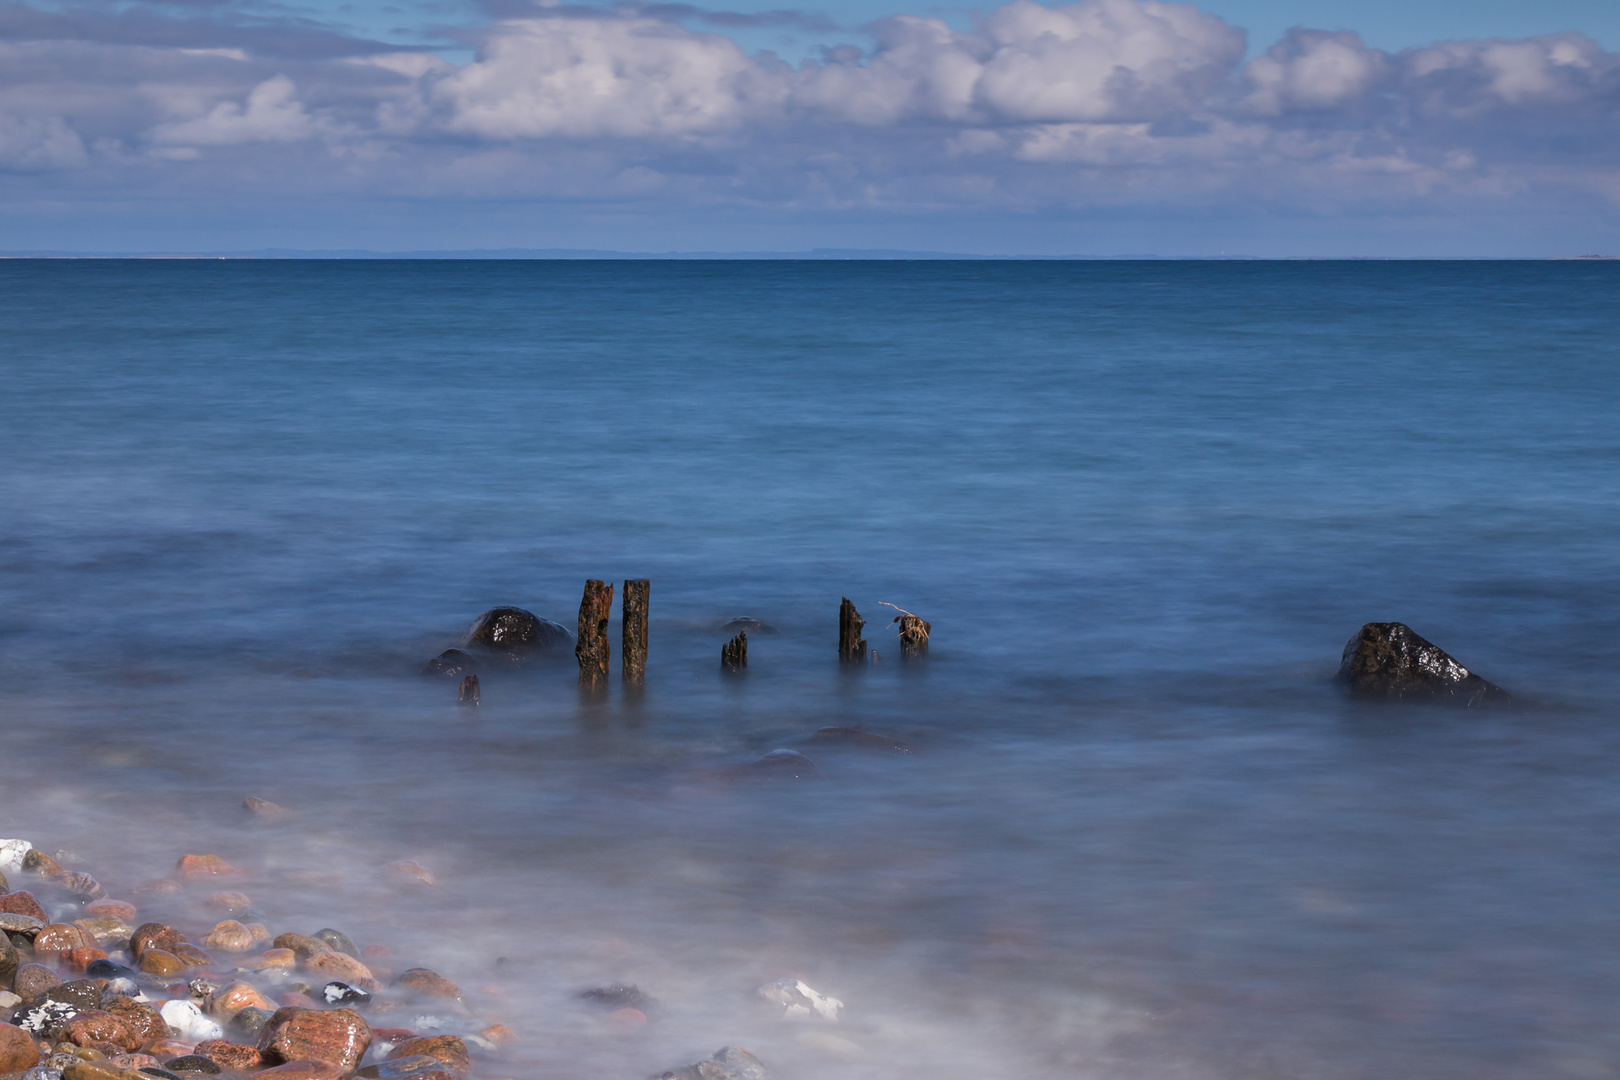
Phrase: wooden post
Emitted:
{"points": [[469, 691], [592, 647], [851, 646], [734, 653], [633, 611]]}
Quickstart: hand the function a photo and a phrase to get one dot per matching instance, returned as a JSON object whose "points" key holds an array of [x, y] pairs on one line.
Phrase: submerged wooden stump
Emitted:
{"points": [[851, 646], [469, 691], [734, 653], [913, 637], [633, 610], [592, 648]]}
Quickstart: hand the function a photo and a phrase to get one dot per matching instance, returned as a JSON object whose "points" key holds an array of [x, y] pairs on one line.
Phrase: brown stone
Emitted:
{"points": [[427, 983], [111, 909], [79, 886], [99, 1070], [301, 1070], [446, 1048], [154, 935], [164, 1049], [230, 902], [106, 930], [227, 1001], [260, 934], [145, 1022], [339, 1036], [160, 887], [23, 903], [18, 1052], [94, 1026], [231, 1057], [10, 960], [193, 867], [162, 963], [79, 959], [230, 936], [135, 1061], [32, 980], [499, 1034], [264, 808], [338, 966], [270, 959], [294, 999], [38, 862], [302, 947], [60, 939], [191, 956]]}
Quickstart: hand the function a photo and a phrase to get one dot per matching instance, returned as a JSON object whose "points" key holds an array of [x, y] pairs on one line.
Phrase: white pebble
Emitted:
{"points": [[189, 1022], [11, 855], [797, 999]]}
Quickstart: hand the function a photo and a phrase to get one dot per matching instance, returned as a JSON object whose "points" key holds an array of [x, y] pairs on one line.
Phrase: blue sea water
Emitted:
{"points": [[1143, 505]]}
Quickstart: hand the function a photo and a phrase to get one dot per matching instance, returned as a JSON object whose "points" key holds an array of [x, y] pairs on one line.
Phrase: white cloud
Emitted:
{"points": [[39, 144], [271, 113]]}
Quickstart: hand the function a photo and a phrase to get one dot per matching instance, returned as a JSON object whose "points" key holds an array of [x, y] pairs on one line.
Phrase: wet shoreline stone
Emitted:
{"points": [[1389, 662]]}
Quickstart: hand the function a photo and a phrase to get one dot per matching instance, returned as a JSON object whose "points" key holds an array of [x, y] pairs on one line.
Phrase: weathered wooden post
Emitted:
{"points": [[913, 636], [633, 610], [734, 653], [851, 646], [592, 648], [469, 691]]}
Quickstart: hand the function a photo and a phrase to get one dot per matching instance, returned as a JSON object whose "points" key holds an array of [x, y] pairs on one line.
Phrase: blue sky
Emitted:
{"points": [[1097, 128]]}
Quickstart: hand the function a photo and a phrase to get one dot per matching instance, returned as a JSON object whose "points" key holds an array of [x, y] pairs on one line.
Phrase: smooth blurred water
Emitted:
{"points": [[1143, 505]]}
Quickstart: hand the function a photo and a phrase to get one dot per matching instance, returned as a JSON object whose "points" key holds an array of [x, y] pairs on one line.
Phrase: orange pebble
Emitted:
{"points": [[192, 867], [295, 1000], [270, 958], [111, 909], [499, 1034], [230, 902], [79, 959], [627, 1019]]}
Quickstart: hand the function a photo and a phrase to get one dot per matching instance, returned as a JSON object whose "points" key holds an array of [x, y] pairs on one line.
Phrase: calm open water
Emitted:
{"points": [[1143, 505]]}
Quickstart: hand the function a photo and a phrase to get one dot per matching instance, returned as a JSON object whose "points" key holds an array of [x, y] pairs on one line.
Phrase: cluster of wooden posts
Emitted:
{"points": [[592, 649]]}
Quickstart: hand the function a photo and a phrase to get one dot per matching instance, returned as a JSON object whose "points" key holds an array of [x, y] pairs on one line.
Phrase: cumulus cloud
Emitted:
{"points": [[1096, 103]]}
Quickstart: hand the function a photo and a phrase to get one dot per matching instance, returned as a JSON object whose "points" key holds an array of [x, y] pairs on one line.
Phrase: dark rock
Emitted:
{"points": [[80, 993], [161, 1074], [734, 654], [339, 941], [81, 887], [780, 765], [250, 1021], [861, 740], [617, 997], [107, 969], [745, 624], [405, 1068], [192, 1063], [10, 961], [39, 1016], [451, 664], [516, 633], [1387, 661], [728, 1063], [341, 993]]}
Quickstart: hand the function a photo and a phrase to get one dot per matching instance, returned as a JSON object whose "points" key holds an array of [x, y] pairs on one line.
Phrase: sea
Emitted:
{"points": [[1138, 831]]}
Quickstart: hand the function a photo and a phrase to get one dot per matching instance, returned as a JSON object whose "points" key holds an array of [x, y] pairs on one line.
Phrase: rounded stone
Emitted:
{"points": [[195, 867], [122, 910], [339, 1036], [302, 946], [448, 1050], [154, 935], [163, 964], [146, 1022], [23, 903], [17, 1050], [516, 632], [339, 941], [230, 936], [425, 983], [93, 1026], [192, 1063], [231, 1057], [33, 980], [60, 939], [79, 993]]}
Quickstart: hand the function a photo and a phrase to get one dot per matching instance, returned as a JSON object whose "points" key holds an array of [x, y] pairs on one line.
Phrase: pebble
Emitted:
{"points": [[302, 1070], [37, 862], [192, 1063], [230, 1000], [617, 997], [627, 1019], [80, 959], [231, 1057], [193, 867], [59, 939], [33, 980], [106, 930], [340, 1036], [347, 968], [265, 809], [11, 855], [160, 887], [107, 969], [145, 1021], [498, 1034], [80, 886], [111, 909], [8, 1000], [21, 924], [302, 947], [163, 964], [341, 993], [154, 935], [189, 1022], [80, 993], [232, 903], [230, 936], [400, 1068], [728, 1063], [191, 956], [44, 1017], [339, 941], [22, 902], [251, 1021], [425, 983], [93, 1026], [447, 1049], [797, 999], [270, 959], [17, 1050], [10, 960]]}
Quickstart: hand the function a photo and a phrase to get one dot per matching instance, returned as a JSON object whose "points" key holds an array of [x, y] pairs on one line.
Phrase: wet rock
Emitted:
{"points": [[231, 903], [617, 997], [121, 910], [227, 1001], [448, 1050], [339, 1036], [17, 1050], [342, 993], [32, 980], [45, 1018], [79, 959], [192, 1063], [430, 984], [297, 999], [747, 624], [107, 969], [20, 924], [23, 903], [796, 999], [79, 886], [514, 630], [451, 664], [160, 1073], [106, 931], [728, 1063], [780, 765], [162, 963], [302, 946], [142, 1019], [200, 867], [270, 960], [339, 942], [59, 939], [250, 1021], [188, 1021], [154, 935], [335, 965], [415, 1067], [12, 853], [134, 1061], [627, 1019], [265, 810], [302, 1070], [858, 739], [230, 936], [410, 870], [8, 1001], [230, 1057], [10, 961], [501, 1035], [37, 862], [79, 993], [1387, 661], [99, 1026], [41, 1072], [159, 887]]}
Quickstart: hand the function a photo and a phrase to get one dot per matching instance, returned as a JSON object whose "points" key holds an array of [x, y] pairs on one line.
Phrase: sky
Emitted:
{"points": [[1320, 128]]}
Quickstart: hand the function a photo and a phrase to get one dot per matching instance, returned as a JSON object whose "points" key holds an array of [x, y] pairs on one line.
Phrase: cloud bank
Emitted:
{"points": [[1131, 104]]}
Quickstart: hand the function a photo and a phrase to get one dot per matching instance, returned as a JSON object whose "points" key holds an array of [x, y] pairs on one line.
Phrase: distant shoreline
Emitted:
{"points": [[815, 255]]}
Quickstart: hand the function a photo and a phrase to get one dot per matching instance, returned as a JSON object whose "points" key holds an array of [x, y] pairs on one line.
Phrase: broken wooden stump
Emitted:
{"points": [[734, 653], [913, 636], [469, 691], [633, 612], [851, 646], [592, 647]]}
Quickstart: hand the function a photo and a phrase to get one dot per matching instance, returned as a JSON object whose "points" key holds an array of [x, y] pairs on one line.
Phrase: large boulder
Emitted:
{"points": [[1387, 661], [516, 634]]}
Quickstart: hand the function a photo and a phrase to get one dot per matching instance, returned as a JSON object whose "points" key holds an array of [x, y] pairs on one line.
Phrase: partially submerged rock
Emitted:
{"points": [[516, 634], [859, 739], [1387, 661], [727, 1063], [797, 999], [451, 664], [780, 765]]}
